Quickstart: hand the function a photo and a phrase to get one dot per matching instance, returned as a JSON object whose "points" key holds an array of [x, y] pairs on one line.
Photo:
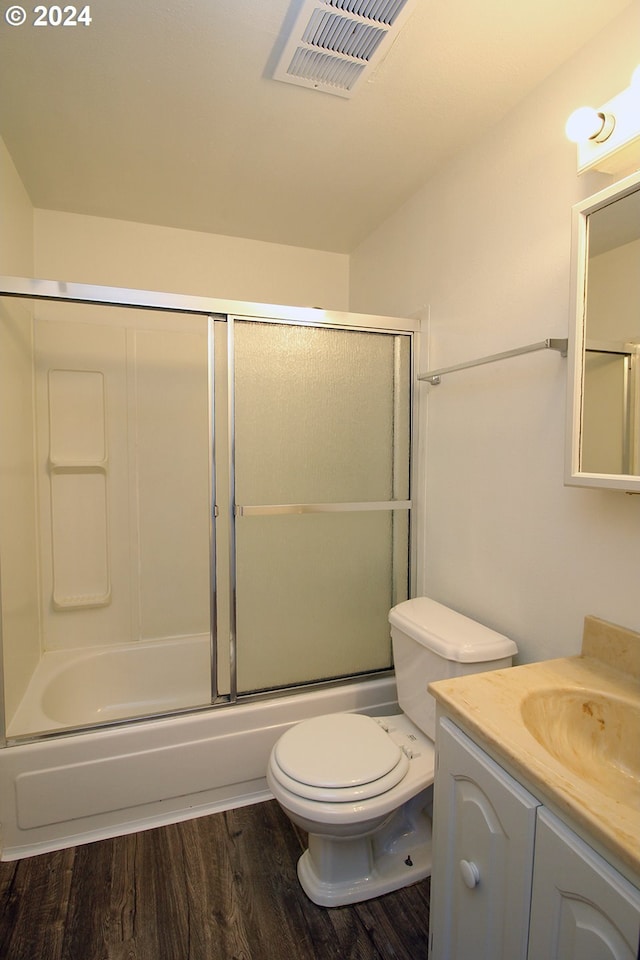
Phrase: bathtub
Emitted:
{"points": [[73, 688], [74, 787]]}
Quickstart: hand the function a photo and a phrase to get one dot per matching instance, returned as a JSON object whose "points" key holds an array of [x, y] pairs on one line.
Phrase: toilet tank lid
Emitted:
{"points": [[449, 634]]}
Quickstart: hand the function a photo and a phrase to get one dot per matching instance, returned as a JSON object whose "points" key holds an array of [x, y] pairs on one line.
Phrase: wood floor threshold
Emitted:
{"points": [[222, 887]]}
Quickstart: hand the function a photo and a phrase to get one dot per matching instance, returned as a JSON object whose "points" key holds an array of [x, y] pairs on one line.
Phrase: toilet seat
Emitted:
{"points": [[344, 757]]}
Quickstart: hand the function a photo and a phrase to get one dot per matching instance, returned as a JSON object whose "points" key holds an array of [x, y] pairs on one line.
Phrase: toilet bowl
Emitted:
{"points": [[361, 786], [383, 795]]}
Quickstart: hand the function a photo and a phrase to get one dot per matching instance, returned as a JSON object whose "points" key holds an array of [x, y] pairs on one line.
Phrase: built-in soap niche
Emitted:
{"points": [[79, 496]]}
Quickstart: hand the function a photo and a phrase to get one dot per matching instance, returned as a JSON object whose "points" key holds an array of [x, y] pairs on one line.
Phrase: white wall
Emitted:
{"points": [[16, 222], [486, 244], [18, 566], [123, 254]]}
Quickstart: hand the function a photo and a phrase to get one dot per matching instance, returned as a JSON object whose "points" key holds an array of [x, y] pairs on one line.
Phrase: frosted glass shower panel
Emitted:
{"points": [[317, 414], [322, 430], [314, 592]]}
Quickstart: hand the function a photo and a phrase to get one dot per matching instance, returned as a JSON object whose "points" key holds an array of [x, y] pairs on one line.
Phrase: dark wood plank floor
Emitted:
{"points": [[222, 887]]}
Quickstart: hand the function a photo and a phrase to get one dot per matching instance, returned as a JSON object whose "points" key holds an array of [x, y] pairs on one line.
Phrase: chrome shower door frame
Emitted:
{"points": [[227, 312], [237, 510]]}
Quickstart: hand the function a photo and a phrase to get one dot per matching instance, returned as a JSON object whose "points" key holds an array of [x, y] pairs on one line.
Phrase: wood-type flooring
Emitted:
{"points": [[221, 887]]}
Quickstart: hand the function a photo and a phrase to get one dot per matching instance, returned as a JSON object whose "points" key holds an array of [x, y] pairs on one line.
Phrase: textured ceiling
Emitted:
{"points": [[163, 111]]}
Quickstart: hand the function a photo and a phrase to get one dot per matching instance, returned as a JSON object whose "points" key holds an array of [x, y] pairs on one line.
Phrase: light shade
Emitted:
{"points": [[585, 123]]}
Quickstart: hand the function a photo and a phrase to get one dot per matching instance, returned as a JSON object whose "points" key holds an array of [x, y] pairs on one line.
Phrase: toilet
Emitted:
{"points": [[361, 786]]}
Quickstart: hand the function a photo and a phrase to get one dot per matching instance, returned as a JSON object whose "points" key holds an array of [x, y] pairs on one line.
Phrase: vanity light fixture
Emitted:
{"points": [[585, 123], [608, 138]]}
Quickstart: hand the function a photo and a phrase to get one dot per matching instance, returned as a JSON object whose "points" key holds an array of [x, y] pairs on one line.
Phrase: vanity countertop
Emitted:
{"points": [[490, 706]]}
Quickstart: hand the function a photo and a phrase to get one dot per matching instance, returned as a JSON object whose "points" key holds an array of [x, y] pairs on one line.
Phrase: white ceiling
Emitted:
{"points": [[163, 111]]}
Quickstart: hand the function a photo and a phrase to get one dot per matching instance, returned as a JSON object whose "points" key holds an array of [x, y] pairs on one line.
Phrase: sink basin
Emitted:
{"points": [[594, 735]]}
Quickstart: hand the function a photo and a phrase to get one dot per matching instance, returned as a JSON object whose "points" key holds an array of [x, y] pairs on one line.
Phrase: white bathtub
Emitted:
{"points": [[72, 688], [70, 789]]}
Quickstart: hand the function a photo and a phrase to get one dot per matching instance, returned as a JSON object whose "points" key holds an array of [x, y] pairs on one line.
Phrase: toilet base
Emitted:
{"points": [[335, 872]]}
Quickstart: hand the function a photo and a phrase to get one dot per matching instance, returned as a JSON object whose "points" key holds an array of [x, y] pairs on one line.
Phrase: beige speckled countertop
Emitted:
{"points": [[489, 706]]}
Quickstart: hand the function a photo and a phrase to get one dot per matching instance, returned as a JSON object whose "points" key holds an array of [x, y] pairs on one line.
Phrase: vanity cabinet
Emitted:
{"points": [[510, 880], [484, 834], [581, 908]]}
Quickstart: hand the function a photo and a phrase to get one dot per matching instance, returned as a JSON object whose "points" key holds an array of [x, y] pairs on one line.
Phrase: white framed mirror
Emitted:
{"points": [[603, 435]]}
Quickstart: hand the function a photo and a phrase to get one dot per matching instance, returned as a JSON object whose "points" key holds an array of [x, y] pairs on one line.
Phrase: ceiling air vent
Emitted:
{"points": [[335, 43]]}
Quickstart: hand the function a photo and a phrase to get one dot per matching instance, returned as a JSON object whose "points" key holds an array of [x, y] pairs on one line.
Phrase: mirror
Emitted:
{"points": [[604, 340]]}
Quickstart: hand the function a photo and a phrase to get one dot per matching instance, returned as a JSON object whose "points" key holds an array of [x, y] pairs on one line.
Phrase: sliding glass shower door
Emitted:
{"points": [[196, 507], [320, 479]]}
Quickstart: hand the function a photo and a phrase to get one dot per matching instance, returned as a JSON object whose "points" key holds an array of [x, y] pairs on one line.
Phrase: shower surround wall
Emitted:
{"points": [[123, 467]]}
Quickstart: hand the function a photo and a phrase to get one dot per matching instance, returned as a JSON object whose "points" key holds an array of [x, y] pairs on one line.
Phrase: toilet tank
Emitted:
{"points": [[432, 642]]}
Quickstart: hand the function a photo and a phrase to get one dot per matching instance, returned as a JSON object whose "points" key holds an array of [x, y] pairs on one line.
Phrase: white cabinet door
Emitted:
{"points": [[484, 830], [581, 909]]}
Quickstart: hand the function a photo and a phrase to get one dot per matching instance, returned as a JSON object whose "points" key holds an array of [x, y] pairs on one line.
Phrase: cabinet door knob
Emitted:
{"points": [[470, 873]]}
